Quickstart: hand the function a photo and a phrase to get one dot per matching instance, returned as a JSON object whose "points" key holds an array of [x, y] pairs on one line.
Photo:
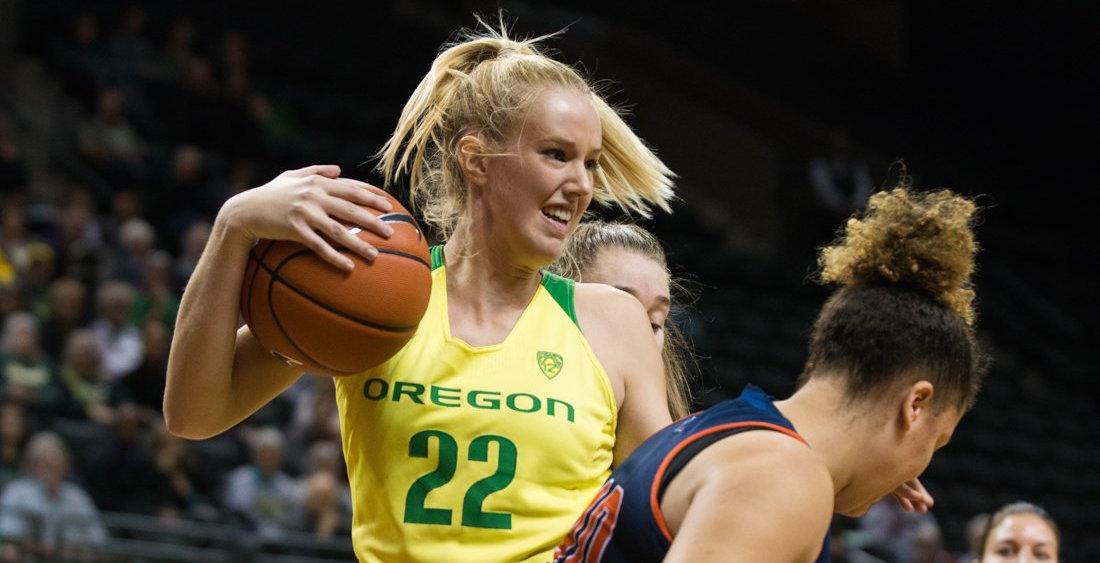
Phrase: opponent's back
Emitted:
{"points": [[490, 453], [624, 523]]}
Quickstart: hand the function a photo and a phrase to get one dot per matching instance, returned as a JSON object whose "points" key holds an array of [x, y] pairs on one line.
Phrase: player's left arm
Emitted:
{"points": [[618, 330]]}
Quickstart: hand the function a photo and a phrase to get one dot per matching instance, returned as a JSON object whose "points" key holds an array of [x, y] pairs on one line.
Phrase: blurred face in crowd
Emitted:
{"points": [[23, 341], [49, 467], [116, 307], [269, 457], [1021, 538], [82, 355], [639, 276], [67, 301], [13, 424], [155, 338]]}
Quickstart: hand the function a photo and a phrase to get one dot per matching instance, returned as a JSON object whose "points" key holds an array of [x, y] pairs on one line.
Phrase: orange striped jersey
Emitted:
{"points": [[624, 523], [478, 453]]}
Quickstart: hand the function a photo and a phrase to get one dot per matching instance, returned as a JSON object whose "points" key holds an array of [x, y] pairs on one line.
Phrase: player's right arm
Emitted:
{"points": [[759, 496], [217, 374]]}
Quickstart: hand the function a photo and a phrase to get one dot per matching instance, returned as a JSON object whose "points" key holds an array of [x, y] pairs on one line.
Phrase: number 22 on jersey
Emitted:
{"points": [[417, 512]]}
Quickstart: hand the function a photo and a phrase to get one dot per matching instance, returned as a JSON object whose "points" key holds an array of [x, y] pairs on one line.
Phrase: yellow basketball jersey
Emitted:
{"points": [[462, 453]]}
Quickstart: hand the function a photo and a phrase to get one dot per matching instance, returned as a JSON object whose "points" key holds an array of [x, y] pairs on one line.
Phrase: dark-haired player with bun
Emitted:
{"points": [[893, 366]]}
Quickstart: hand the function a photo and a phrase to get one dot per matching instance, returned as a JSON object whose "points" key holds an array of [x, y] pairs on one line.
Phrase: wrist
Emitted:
{"points": [[231, 224]]}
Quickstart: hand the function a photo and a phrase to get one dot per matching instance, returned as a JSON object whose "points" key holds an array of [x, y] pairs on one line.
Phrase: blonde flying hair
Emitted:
{"points": [[585, 245], [484, 84]]}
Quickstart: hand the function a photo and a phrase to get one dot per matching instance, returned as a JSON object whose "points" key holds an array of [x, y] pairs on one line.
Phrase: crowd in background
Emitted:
{"points": [[91, 274]]}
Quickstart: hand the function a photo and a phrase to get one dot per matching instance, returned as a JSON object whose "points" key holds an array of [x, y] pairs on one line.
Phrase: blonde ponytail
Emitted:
{"points": [[482, 85]]}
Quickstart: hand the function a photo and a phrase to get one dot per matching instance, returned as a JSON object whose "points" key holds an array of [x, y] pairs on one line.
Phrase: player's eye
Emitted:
{"points": [[592, 165], [556, 154]]}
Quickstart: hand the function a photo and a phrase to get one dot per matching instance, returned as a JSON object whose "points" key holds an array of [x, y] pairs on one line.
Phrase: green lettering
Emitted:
{"points": [[438, 396], [492, 402], [383, 389], [414, 392], [536, 403], [550, 408]]}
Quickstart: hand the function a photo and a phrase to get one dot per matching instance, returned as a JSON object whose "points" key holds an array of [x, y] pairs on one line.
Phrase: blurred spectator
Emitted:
{"points": [[13, 171], [66, 312], [316, 418], [975, 528], [897, 534], [178, 494], [195, 110], [183, 196], [841, 182], [125, 205], [15, 239], [26, 375], [80, 239], [82, 60], [119, 342], [234, 51], [321, 510], [9, 299], [129, 50], [145, 386], [13, 438], [1018, 532], [179, 51], [327, 457], [157, 300], [87, 395], [191, 247], [928, 544], [42, 512], [260, 493], [109, 142], [123, 477], [136, 239], [34, 282]]}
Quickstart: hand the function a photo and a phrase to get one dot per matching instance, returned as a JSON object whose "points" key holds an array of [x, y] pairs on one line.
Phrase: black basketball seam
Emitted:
{"points": [[403, 218], [276, 277], [404, 255], [271, 307], [259, 262]]}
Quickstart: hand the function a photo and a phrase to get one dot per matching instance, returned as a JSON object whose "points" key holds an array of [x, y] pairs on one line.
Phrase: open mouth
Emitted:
{"points": [[560, 215]]}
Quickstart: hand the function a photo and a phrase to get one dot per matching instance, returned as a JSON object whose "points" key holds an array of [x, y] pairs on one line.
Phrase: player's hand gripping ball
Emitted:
{"points": [[309, 313]]}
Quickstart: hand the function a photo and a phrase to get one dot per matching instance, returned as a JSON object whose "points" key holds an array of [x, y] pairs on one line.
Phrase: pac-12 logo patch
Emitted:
{"points": [[550, 363]]}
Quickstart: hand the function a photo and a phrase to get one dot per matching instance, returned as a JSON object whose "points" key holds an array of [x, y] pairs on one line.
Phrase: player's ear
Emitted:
{"points": [[916, 404], [472, 160]]}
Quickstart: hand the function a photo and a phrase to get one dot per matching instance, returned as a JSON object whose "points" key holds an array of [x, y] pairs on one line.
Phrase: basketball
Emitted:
{"points": [[309, 313]]}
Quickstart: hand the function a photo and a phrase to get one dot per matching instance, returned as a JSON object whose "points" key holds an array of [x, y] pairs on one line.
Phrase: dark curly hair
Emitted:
{"points": [[905, 306]]}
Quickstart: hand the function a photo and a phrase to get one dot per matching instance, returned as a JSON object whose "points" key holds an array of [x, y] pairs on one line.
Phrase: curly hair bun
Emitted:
{"points": [[922, 241]]}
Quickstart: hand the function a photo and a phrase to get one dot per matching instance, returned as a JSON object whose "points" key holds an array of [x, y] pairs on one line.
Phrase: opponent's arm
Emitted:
{"points": [[217, 374], [617, 329], [760, 497]]}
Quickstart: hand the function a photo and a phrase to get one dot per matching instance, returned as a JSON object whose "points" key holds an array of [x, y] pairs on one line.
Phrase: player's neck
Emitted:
{"points": [[817, 413], [480, 272]]}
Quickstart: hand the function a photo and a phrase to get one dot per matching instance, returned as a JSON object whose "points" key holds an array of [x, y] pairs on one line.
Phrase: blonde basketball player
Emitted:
{"points": [[486, 436]]}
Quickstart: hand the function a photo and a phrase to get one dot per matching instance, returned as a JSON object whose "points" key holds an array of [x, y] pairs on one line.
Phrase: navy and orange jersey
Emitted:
{"points": [[624, 523]]}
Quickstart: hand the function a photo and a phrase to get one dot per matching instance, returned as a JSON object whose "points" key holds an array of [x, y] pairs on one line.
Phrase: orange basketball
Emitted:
{"points": [[309, 313]]}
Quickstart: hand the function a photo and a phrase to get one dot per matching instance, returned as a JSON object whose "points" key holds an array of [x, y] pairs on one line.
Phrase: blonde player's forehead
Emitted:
{"points": [[565, 117]]}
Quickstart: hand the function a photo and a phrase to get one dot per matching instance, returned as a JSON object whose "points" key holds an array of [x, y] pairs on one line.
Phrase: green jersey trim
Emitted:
{"points": [[561, 289], [437, 256]]}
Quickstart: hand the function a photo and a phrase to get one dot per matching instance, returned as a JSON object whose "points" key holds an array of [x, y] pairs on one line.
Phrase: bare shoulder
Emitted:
{"points": [[597, 304], [761, 495]]}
